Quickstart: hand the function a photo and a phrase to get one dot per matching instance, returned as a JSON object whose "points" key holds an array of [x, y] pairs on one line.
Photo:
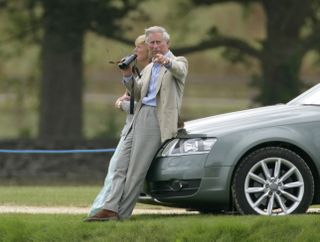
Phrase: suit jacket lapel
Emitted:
{"points": [[163, 70], [145, 80]]}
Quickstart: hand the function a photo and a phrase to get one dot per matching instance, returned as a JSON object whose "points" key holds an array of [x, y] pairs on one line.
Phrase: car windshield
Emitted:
{"points": [[309, 97]]}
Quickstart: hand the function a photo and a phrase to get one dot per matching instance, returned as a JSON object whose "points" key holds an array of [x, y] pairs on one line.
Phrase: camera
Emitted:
{"points": [[126, 61]]}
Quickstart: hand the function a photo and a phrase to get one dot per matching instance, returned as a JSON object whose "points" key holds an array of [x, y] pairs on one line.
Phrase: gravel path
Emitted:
{"points": [[77, 210]]}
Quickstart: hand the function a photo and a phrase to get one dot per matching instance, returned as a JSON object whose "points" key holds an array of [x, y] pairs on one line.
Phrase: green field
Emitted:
{"points": [[52, 196], [162, 228], [148, 228], [203, 97], [79, 196]]}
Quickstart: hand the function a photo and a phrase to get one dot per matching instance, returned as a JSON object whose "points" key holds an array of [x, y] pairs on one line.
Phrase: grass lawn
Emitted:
{"points": [[53, 196], [78, 196], [195, 227], [22, 227], [204, 96]]}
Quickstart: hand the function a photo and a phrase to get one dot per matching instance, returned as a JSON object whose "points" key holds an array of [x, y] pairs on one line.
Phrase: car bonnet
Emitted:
{"points": [[252, 118]]}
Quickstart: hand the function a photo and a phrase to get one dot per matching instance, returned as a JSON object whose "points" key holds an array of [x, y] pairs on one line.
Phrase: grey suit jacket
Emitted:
{"points": [[170, 87]]}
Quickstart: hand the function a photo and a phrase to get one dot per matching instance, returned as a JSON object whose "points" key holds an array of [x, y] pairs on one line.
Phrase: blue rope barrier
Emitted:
{"points": [[55, 151]]}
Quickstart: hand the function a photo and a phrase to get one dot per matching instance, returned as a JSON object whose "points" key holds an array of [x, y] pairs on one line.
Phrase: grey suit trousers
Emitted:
{"points": [[138, 149]]}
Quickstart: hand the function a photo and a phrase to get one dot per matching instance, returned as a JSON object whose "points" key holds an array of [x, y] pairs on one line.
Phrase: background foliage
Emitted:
{"points": [[219, 76]]}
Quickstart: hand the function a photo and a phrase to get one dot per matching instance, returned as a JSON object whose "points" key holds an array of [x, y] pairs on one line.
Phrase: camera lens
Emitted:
{"points": [[127, 61]]}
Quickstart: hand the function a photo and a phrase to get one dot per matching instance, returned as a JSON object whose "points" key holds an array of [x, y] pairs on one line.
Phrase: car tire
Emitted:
{"points": [[272, 181]]}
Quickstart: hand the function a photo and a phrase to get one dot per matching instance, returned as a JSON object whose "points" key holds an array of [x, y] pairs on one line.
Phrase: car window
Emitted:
{"points": [[309, 97]]}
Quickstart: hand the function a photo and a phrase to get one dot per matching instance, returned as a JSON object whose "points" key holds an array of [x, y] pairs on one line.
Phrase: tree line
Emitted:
{"points": [[59, 27]]}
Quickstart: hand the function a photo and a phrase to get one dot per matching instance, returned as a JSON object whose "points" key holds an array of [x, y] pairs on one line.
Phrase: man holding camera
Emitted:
{"points": [[159, 96]]}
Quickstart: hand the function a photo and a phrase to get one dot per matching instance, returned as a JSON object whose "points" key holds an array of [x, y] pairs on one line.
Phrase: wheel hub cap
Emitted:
{"points": [[274, 186]]}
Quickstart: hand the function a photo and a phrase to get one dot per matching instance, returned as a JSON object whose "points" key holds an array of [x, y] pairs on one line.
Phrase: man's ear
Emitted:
{"points": [[168, 43]]}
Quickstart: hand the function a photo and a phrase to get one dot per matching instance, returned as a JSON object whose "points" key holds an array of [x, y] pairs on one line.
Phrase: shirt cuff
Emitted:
{"points": [[169, 64]]}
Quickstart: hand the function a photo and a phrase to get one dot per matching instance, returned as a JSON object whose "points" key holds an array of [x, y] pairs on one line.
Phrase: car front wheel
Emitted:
{"points": [[272, 181]]}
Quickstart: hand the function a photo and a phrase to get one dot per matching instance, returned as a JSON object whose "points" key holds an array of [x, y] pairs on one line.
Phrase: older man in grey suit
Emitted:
{"points": [[159, 95]]}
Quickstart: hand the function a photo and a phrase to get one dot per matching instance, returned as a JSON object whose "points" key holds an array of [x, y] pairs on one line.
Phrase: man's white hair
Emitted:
{"points": [[157, 29]]}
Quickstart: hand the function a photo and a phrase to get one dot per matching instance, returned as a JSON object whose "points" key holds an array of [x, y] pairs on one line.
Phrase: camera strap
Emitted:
{"points": [[132, 99], [137, 72]]}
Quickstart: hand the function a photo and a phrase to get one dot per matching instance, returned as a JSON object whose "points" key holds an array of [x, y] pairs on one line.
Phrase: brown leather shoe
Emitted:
{"points": [[103, 215]]}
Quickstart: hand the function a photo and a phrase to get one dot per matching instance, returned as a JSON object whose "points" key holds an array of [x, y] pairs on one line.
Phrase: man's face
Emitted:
{"points": [[156, 44]]}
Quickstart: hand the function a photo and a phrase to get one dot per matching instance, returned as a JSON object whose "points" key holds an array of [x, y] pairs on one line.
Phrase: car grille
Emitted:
{"points": [[174, 188]]}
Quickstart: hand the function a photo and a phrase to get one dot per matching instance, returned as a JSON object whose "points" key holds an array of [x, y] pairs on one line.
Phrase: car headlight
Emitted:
{"points": [[178, 147]]}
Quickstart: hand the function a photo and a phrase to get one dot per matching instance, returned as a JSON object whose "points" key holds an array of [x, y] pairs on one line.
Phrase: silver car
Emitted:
{"points": [[258, 161]]}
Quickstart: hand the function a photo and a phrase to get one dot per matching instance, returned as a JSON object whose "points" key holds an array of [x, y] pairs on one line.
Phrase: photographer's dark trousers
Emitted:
{"points": [[143, 140]]}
